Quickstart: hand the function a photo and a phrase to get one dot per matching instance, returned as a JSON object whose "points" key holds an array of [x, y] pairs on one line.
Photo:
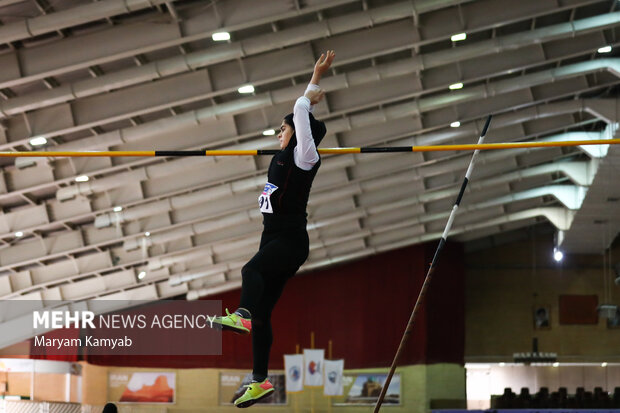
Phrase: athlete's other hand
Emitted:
{"points": [[315, 96]]}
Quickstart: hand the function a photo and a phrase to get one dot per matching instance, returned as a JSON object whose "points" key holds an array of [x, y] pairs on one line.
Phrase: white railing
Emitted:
{"points": [[27, 406]]}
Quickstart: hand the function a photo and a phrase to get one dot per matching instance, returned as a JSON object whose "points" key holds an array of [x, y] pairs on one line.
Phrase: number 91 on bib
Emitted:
{"points": [[264, 200]]}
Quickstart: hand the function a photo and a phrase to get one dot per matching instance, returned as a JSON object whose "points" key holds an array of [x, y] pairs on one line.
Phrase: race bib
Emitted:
{"points": [[264, 200]]}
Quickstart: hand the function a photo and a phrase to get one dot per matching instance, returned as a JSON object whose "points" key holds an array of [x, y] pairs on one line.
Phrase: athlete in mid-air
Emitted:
{"points": [[284, 244]]}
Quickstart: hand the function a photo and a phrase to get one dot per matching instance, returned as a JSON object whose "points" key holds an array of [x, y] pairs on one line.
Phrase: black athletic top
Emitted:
{"points": [[284, 199], [289, 189]]}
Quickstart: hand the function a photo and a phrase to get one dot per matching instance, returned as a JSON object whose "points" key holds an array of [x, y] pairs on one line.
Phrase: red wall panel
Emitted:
{"points": [[578, 309], [363, 307]]}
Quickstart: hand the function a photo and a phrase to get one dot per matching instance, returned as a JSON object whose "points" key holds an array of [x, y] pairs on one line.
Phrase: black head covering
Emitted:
{"points": [[316, 126], [110, 408]]}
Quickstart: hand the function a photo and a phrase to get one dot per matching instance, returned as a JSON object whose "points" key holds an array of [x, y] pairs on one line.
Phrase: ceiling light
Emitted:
{"points": [[455, 124], [220, 36], [558, 255], [147, 234], [19, 234], [458, 37], [269, 132], [605, 49], [604, 364], [455, 86], [81, 178], [141, 275], [117, 209], [246, 89], [556, 364], [38, 141]]}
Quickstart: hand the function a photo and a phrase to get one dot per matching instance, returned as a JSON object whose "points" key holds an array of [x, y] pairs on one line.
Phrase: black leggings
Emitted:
{"points": [[280, 255]]}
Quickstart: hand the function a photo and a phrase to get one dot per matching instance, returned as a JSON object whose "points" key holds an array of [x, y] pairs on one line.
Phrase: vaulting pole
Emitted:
{"points": [[323, 151], [431, 270]]}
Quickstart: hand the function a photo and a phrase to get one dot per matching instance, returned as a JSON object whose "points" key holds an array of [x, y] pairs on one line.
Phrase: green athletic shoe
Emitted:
{"points": [[233, 322], [254, 392]]}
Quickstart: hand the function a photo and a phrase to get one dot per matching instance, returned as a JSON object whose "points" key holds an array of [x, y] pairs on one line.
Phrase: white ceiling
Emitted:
{"points": [[145, 75]]}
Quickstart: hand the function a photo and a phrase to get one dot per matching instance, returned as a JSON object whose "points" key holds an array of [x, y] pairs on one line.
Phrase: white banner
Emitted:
{"points": [[313, 367], [333, 377], [294, 368]]}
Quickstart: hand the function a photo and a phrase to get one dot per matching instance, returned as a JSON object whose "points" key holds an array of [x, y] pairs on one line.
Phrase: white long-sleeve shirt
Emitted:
{"points": [[305, 153]]}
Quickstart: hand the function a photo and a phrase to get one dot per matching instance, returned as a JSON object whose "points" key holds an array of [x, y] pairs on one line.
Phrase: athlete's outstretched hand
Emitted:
{"points": [[322, 65], [324, 62]]}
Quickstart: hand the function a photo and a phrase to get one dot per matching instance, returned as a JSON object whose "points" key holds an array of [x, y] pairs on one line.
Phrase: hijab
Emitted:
{"points": [[316, 126]]}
